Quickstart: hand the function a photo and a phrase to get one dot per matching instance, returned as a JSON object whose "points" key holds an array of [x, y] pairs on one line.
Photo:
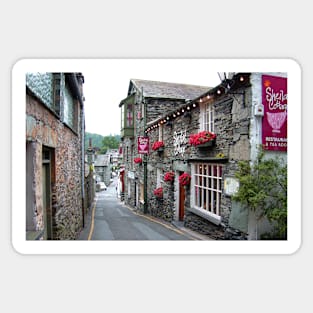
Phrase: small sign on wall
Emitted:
{"points": [[180, 141], [143, 145], [231, 185]]}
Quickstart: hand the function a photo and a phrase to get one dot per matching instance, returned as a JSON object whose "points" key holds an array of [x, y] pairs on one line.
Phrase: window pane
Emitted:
{"points": [[208, 186], [68, 108]]}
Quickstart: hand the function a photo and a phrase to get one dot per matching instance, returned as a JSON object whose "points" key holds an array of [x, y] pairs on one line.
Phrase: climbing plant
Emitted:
{"points": [[263, 189]]}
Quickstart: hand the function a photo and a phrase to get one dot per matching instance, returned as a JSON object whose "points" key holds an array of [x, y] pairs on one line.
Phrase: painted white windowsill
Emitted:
{"points": [[213, 218]]}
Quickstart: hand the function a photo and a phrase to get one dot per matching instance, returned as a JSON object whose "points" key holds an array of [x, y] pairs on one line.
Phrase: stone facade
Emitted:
{"points": [[55, 166], [205, 205]]}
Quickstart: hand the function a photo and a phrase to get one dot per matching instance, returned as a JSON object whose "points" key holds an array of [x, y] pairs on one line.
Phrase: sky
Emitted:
{"points": [[107, 82]]}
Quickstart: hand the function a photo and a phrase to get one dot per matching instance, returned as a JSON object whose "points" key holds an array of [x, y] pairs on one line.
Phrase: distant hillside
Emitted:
{"points": [[97, 140]]}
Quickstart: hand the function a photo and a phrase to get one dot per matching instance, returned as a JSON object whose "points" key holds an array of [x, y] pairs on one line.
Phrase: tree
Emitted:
{"points": [[109, 142], [263, 189], [103, 143]]}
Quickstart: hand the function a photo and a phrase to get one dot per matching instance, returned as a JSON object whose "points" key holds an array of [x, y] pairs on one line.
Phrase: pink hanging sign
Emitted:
{"points": [[274, 125], [143, 145]]}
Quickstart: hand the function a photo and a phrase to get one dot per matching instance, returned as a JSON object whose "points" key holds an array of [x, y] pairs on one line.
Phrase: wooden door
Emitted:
{"points": [[181, 202]]}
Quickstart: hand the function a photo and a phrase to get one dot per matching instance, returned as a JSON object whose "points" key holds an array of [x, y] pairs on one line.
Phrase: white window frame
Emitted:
{"points": [[161, 133], [207, 117], [159, 177], [141, 193], [206, 191]]}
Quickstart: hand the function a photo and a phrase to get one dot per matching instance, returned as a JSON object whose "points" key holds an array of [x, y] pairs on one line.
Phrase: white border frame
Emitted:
{"points": [[21, 245]]}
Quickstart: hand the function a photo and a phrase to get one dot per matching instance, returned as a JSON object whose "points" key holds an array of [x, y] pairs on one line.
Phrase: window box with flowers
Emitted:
{"points": [[158, 192], [202, 139], [138, 161], [169, 177], [158, 146]]}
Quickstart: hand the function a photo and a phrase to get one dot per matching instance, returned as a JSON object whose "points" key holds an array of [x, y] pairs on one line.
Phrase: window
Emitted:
{"points": [[68, 108], [141, 193], [129, 116], [122, 116], [207, 187], [207, 117], [159, 177], [161, 133]]}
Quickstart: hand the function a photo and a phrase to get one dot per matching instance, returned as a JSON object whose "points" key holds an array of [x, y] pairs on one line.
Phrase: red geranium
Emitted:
{"points": [[157, 145], [201, 137], [169, 176], [184, 179], [138, 160], [158, 192]]}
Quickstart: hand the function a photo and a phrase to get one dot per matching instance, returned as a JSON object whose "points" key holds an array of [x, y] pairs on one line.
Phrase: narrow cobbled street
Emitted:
{"points": [[110, 219]]}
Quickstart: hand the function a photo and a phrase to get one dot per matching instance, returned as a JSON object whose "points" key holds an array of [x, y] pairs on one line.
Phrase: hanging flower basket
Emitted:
{"points": [[138, 161], [169, 176], [184, 179], [158, 192], [202, 139], [158, 146]]}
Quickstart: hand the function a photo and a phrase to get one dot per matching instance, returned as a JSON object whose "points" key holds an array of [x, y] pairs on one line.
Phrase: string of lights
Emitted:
{"points": [[227, 87]]}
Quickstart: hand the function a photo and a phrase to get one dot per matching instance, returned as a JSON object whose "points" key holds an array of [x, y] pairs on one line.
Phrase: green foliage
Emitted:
{"points": [[263, 189], [109, 142], [103, 143], [96, 140]]}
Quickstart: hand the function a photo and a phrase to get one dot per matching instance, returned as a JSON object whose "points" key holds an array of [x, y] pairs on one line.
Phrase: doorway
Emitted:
{"points": [[46, 192], [181, 204]]}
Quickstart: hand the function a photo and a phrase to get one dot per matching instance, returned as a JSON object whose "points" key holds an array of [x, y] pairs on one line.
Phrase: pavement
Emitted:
{"points": [[177, 226]]}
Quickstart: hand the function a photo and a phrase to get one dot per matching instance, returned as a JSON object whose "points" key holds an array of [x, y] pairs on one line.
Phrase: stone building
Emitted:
{"points": [[54, 155], [102, 168], [146, 101], [234, 113]]}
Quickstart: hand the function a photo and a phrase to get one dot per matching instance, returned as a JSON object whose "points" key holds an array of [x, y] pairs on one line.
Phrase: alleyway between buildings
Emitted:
{"points": [[110, 219]]}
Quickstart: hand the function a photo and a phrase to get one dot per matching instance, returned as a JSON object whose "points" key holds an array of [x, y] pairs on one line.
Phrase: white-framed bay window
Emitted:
{"points": [[207, 117], [206, 190]]}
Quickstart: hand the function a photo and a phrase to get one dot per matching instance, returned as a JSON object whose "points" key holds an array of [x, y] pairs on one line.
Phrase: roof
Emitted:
{"points": [[157, 89], [102, 160]]}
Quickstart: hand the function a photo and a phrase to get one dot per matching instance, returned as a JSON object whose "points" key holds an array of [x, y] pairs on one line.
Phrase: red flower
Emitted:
{"points": [[169, 176], [138, 160], [158, 192], [157, 145], [184, 179], [201, 137]]}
